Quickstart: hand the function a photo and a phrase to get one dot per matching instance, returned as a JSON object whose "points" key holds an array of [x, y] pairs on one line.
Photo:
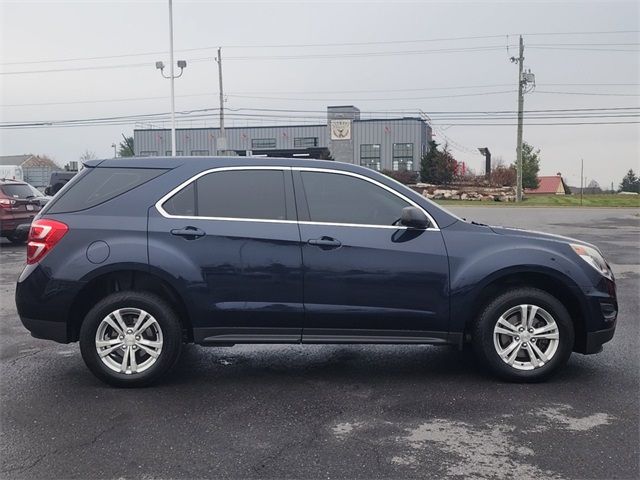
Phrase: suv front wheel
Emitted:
{"points": [[130, 339], [524, 335]]}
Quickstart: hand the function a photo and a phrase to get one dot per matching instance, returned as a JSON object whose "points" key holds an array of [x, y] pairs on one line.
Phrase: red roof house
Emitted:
{"points": [[550, 185]]}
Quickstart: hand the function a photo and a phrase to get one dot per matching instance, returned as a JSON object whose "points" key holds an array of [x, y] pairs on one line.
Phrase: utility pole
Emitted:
{"points": [[222, 139], [520, 119]]}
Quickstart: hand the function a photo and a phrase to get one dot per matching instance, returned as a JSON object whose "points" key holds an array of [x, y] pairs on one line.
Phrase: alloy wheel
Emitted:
{"points": [[526, 337], [129, 340]]}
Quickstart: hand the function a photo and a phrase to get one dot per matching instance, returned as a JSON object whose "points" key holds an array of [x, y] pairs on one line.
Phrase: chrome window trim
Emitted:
{"points": [[184, 184]]}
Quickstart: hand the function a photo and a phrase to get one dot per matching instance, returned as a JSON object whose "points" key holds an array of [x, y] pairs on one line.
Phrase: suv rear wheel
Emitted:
{"points": [[524, 335], [130, 339]]}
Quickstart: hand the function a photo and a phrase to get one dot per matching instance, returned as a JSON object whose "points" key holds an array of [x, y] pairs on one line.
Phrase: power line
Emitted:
{"points": [[369, 54], [325, 92], [588, 49], [483, 48], [382, 99], [583, 44], [532, 112], [269, 57], [209, 112], [599, 94], [314, 45]]}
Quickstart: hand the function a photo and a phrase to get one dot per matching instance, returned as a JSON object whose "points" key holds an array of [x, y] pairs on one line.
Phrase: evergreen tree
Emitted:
{"points": [[125, 148], [437, 166], [530, 166], [630, 182]]}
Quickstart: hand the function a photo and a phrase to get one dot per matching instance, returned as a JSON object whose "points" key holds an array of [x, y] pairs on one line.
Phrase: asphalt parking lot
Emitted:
{"points": [[333, 411]]}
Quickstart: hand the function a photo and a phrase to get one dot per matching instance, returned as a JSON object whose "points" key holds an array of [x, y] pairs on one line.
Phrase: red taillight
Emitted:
{"points": [[43, 236], [7, 202]]}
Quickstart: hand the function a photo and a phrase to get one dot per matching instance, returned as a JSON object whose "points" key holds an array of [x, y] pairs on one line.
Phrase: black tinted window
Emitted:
{"points": [[242, 194], [17, 190], [336, 198], [183, 202], [99, 185]]}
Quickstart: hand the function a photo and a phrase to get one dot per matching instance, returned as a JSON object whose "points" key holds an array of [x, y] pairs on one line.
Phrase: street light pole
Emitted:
{"points": [[172, 80], [181, 65]]}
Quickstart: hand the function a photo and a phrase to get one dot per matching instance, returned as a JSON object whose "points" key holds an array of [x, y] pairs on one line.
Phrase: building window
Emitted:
{"points": [[199, 153], [370, 156], [260, 143], [178, 153], [149, 153], [305, 142], [403, 156]]}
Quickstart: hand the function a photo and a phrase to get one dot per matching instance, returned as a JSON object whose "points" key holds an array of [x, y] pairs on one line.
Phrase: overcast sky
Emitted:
{"points": [[591, 71]]}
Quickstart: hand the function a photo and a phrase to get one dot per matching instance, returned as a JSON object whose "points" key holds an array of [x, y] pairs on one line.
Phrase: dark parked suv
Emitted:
{"points": [[135, 257]]}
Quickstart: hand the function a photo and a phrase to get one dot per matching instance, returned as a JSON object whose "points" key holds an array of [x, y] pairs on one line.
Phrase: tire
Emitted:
{"points": [[154, 347], [509, 352], [17, 240]]}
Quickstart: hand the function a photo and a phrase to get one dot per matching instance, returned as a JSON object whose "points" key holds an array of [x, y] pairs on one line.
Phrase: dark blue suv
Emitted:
{"points": [[134, 257]]}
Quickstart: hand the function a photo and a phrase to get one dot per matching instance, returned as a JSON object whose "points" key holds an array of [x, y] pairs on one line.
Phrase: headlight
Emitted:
{"points": [[593, 258]]}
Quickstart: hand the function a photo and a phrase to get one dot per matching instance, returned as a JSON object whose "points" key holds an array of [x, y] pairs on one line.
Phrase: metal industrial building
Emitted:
{"points": [[381, 144], [36, 169]]}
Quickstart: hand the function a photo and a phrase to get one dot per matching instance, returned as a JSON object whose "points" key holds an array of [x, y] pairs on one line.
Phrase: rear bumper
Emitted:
{"points": [[46, 330], [15, 226], [44, 304]]}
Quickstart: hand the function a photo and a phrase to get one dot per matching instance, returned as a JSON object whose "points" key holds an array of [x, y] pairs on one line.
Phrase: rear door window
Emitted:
{"points": [[100, 185], [182, 203], [234, 194]]}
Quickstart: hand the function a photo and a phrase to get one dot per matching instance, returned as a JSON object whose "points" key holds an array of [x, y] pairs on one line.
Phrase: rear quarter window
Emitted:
{"points": [[100, 185]]}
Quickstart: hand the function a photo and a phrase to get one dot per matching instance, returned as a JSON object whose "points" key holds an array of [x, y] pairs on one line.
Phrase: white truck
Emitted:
{"points": [[11, 172]]}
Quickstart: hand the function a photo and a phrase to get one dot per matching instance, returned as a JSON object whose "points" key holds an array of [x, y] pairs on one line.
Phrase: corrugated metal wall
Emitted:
{"points": [[387, 132], [38, 176], [202, 141]]}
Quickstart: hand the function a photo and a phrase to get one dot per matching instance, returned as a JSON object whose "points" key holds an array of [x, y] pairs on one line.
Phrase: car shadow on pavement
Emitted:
{"points": [[269, 365], [366, 364]]}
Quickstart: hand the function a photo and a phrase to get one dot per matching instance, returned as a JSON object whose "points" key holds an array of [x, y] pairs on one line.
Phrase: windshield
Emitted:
{"points": [[17, 190]]}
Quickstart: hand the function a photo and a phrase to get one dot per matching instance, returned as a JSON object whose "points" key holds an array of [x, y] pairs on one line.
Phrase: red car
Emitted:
{"points": [[18, 206]]}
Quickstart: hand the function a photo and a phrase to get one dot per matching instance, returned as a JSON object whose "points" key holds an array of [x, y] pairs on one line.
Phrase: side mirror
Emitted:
{"points": [[47, 191], [413, 217]]}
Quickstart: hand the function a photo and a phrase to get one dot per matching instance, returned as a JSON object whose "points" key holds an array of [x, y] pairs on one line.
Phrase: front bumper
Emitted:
{"points": [[600, 313], [595, 340]]}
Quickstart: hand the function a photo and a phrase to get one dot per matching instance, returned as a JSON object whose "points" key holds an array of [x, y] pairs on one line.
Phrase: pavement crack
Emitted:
{"points": [[21, 357], [24, 468]]}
